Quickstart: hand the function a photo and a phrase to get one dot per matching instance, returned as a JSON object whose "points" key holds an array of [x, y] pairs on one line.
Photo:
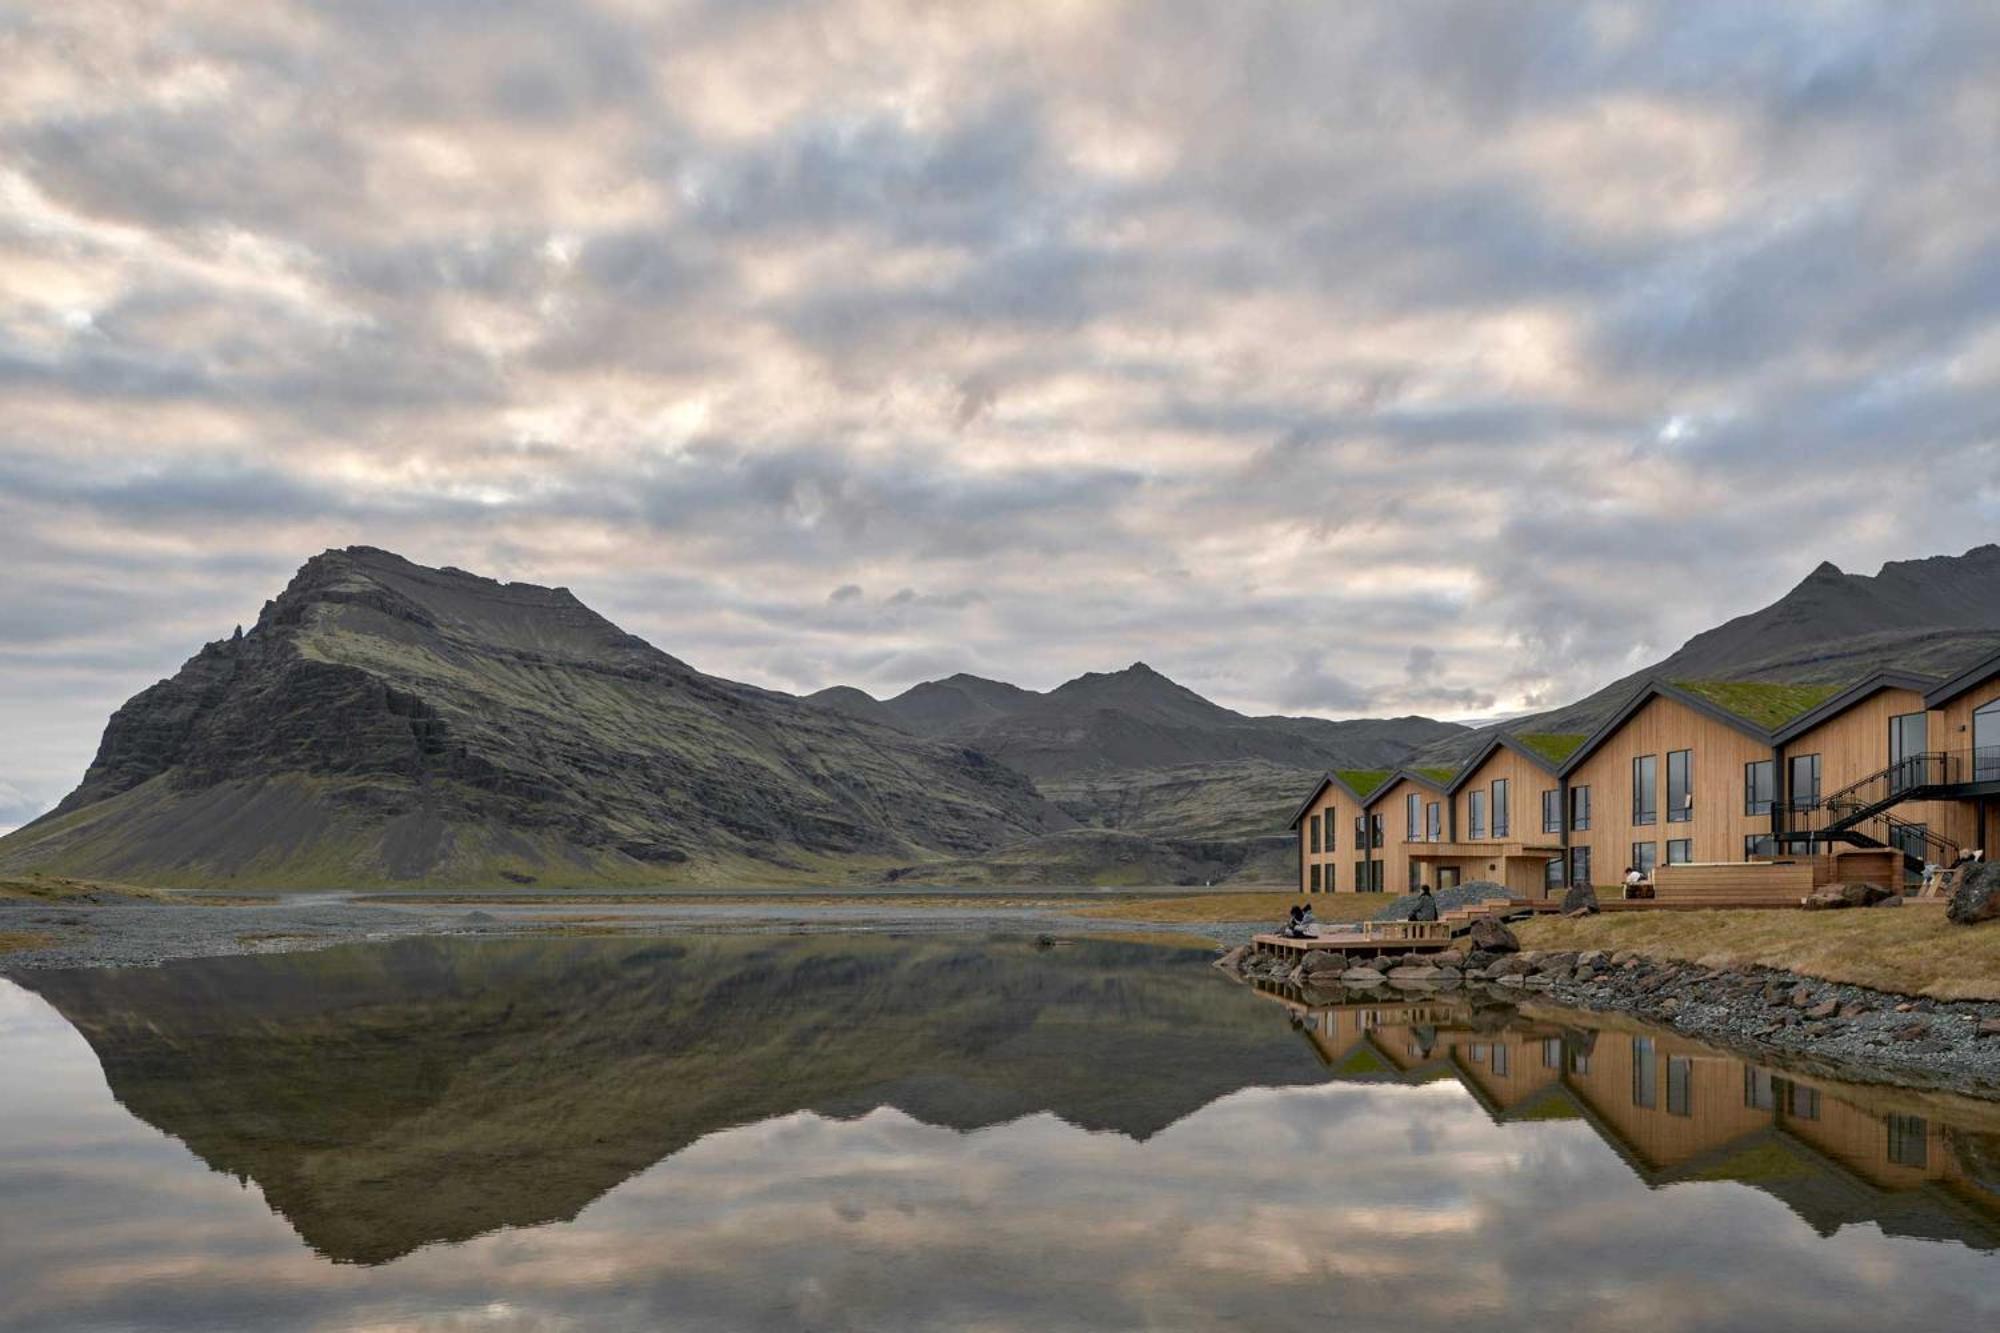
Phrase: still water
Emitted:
{"points": [[879, 1133]]}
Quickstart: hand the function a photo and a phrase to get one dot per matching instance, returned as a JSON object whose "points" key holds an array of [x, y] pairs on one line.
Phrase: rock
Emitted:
{"points": [[1478, 960], [1905, 1007], [1990, 1027], [1670, 1005], [1362, 976], [1912, 1031], [1777, 992], [1408, 972], [1861, 895], [1489, 935], [1591, 958], [1622, 957], [1824, 1009], [1855, 1008], [1801, 998], [1537, 982], [1233, 960], [1323, 960], [1513, 979], [1581, 900], [1826, 900], [1893, 900], [1977, 897]]}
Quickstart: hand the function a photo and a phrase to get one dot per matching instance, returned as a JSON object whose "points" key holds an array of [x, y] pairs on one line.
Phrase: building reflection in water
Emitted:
{"points": [[1675, 1110]]}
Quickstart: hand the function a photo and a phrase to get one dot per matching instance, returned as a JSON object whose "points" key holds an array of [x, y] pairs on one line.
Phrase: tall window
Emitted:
{"points": [[1475, 815], [1361, 875], [1579, 808], [1646, 789], [1361, 831], [1579, 866], [1911, 839], [1645, 1074], [1908, 1140], [1986, 742], [1552, 810], [1330, 827], [1906, 750], [1312, 824], [1552, 873], [1331, 879], [1314, 881], [1760, 787], [1680, 1085], [1433, 822], [1377, 823], [1680, 851], [1680, 786], [1759, 846], [1804, 776], [1645, 857], [1413, 811], [1416, 876], [1502, 821], [1502, 1060]]}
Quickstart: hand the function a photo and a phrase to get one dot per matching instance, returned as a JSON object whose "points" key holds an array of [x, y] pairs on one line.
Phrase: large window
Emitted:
{"points": [[1330, 827], [1361, 831], [1645, 857], [1579, 809], [1646, 789], [1760, 787], [1680, 851], [1361, 874], [1313, 881], [1579, 866], [1910, 840], [1552, 810], [1416, 876], [1413, 812], [1552, 873], [1645, 1074], [1759, 846], [1502, 822], [1312, 825], [1332, 880], [1906, 750], [1909, 1137], [1475, 815], [1434, 822], [1680, 1085], [1377, 823], [1680, 786], [1804, 780], [1986, 742]]}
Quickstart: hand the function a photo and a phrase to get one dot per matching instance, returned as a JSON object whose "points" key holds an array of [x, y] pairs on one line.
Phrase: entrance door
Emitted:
{"points": [[1986, 743], [1447, 877]]}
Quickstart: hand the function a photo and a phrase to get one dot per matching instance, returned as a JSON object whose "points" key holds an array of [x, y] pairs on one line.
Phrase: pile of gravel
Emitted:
{"points": [[1448, 900]]}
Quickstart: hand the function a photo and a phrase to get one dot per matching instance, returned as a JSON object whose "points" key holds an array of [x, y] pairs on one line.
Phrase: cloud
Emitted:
{"points": [[1379, 357]]}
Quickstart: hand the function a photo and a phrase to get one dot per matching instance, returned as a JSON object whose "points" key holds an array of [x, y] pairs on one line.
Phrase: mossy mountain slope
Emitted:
{"points": [[387, 722]]}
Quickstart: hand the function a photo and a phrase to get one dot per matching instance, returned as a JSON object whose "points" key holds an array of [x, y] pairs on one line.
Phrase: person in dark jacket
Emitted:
{"points": [[1426, 908]]}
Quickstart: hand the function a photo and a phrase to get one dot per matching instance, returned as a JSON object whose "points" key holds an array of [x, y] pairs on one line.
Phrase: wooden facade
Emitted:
{"points": [[1333, 848], [1715, 827], [1399, 840], [1502, 780]]}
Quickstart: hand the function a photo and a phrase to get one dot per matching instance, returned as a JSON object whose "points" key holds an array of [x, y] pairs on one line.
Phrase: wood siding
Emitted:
{"points": [[1338, 806], [1394, 853], [1855, 744], [1762, 881], [1719, 824]]}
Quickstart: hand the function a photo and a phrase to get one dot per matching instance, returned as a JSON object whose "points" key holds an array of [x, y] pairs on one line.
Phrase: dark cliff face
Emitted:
{"points": [[385, 721]]}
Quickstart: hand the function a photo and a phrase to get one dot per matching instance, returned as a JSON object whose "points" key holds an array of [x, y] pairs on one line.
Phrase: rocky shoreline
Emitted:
{"points": [[1771, 1015]]}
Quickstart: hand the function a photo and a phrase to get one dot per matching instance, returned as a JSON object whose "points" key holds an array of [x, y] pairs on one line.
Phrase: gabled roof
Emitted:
{"points": [[1500, 740], [1865, 688], [1977, 674], [1645, 694], [1438, 780], [1345, 779]]}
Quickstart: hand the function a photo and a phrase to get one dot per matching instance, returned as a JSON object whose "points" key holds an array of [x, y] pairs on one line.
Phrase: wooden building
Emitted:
{"points": [[1334, 833]]}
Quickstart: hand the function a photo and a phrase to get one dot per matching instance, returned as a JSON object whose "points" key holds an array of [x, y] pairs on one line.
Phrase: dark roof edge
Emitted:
{"points": [[1976, 674], [1398, 774], [1327, 780], [1865, 688], [1499, 740], [1660, 689]]}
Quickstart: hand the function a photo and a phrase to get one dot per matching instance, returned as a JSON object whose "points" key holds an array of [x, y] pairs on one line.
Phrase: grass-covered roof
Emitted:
{"points": [[1554, 746], [1363, 780], [1766, 703], [1441, 776]]}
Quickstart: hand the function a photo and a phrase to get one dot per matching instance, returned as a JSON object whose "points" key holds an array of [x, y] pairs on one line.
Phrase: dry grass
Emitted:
{"points": [[63, 888], [1200, 907], [1911, 950], [18, 941]]}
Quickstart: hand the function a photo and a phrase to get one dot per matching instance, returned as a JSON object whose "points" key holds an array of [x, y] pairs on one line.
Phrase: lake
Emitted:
{"points": [[872, 1132]]}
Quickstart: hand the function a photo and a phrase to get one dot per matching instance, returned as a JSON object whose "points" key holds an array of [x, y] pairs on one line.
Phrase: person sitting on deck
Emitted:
{"points": [[1635, 883], [1426, 907], [1299, 925]]}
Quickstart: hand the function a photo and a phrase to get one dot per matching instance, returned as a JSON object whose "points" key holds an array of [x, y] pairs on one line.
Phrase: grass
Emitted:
{"points": [[1439, 775], [19, 941], [1909, 950], [64, 888], [1363, 780], [1554, 746], [1765, 703]]}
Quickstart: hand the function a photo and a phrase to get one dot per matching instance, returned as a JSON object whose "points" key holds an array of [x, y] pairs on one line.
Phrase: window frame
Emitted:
{"points": [[1792, 763], [1579, 808], [1552, 809], [1312, 835], [1648, 861], [1687, 858], [1645, 790], [1751, 805], [1475, 816], [1680, 806], [1502, 793]]}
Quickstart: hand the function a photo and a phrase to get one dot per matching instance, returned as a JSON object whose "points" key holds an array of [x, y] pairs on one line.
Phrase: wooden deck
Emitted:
{"points": [[1375, 938]]}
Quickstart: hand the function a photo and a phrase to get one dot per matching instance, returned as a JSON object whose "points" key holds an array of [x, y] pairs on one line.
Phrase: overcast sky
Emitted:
{"points": [[1332, 358]]}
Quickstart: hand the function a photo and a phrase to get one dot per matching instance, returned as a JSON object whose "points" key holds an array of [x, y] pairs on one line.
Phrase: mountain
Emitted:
{"points": [[396, 1095], [385, 722], [1935, 615]]}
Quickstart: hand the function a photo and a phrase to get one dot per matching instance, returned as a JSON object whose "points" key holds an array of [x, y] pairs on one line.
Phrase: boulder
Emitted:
{"points": [[1233, 960], [1860, 895], [1826, 900], [1893, 900], [1977, 897], [1581, 900], [1989, 1027], [1362, 976], [1489, 935], [1413, 972], [1322, 960], [1824, 1009]]}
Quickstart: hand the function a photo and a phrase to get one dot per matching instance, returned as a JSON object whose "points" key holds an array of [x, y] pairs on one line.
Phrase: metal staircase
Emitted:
{"points": [[1887, 831], [1915, 778]]}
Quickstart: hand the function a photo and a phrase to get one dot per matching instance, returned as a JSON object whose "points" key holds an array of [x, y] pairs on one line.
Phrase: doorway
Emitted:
{"points": [[1447, 878]]}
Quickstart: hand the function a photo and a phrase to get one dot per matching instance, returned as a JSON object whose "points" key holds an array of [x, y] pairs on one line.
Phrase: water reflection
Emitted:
{"points": [[874, 1133]]}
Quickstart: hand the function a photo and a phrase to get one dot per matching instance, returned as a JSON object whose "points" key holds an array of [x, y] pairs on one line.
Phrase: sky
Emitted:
{"points": [[1339, 359]]}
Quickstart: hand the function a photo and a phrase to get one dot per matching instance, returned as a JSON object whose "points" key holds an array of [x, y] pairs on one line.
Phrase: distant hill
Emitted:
{"points": [[1935, 615], [384, 722]]}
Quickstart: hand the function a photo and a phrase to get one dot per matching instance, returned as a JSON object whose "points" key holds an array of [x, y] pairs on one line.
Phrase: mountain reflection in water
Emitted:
{"points": [[871, 1132]]}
